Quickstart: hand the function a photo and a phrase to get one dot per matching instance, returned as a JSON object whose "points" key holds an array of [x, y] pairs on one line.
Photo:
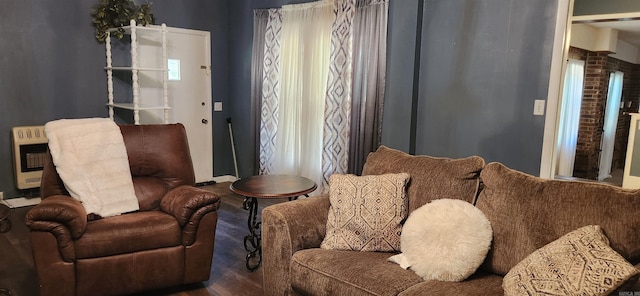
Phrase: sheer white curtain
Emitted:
{"points": [[614, 96], [305, 52], [570, 116]]}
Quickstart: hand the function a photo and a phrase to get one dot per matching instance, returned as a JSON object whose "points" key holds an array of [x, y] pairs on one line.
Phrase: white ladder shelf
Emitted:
{"points": [[135, 68]]}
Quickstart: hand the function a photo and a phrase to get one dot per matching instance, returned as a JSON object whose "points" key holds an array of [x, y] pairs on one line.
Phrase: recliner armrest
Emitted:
{"points": [[188, 205], [287, 228], [183, 201], [58, 210], [64, 217]]}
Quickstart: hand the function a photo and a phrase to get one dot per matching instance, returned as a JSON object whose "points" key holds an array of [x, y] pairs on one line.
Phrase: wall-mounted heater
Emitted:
{"points": [[29, 150]]}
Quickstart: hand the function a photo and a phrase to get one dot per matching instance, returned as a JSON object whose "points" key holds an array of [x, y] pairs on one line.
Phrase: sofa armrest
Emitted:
{"points": [[287, 228], [188, 205], [64, 217]]}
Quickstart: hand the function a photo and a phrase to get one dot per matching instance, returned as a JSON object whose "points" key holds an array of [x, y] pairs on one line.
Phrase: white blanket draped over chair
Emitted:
{"points": [[91, 159]]}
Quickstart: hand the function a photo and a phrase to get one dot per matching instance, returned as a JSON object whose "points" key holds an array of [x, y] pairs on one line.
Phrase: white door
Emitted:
{"points": [[189, 91]]}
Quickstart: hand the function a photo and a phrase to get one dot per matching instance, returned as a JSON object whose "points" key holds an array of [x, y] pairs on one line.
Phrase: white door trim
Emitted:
{"points": [[558, 65]]}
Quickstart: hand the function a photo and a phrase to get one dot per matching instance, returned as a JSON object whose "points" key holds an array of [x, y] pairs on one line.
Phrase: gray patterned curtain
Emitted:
{"points": [[369, 73], [335, 150], [270, 95], [260, 18]]}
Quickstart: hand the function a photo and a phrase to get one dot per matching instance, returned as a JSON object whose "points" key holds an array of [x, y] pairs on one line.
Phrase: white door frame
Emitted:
{"points": [[562, 40], [560, 49]]}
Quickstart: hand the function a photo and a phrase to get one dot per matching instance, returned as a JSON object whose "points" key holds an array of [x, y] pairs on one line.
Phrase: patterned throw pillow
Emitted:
{"points": [[579, 263], [366, 212]]}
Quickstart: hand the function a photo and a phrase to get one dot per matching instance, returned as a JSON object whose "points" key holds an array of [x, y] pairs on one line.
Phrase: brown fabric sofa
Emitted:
{"points": [[525, 212], [168, 242]]}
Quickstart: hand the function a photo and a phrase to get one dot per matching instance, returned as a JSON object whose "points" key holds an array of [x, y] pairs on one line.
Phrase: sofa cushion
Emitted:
{"points": [[480, 283], [579, 263], [446, 239], [128, 233], [431, 177], [366, 212], [528, 212], [332, 272]]}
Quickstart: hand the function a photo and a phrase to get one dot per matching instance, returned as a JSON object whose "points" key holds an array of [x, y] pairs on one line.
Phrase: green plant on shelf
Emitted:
{"points": [[107, 14]]}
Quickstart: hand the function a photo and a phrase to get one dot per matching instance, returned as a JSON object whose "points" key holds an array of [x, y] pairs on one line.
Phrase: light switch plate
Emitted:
{"points": [[538, 107]]}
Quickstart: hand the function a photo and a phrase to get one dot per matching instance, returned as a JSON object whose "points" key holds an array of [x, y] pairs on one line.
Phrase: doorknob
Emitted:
{"points": [[205, 121]]}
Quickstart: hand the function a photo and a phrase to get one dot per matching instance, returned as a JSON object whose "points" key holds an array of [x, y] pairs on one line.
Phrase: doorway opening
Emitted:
{"points": [[600, 150], [594, 148]]}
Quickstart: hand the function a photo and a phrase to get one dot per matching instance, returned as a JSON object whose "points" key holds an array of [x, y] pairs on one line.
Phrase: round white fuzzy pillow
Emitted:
{"points": [[446, 239]]}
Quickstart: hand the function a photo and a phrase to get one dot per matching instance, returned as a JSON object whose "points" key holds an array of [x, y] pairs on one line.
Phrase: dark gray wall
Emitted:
{"points": [[483, 63], [397, 127], [51, 66], [468, 87]]}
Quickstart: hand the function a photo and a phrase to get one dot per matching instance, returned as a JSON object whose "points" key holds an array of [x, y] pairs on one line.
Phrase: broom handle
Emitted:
{"points": [[233, 148]]}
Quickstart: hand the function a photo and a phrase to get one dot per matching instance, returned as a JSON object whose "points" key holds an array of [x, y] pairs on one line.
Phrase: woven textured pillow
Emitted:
{"points": [[579, 263], [366, 212]]}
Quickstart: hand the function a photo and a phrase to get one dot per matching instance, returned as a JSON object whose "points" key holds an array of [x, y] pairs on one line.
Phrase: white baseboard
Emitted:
{"points": [[22, 202], [225, 178]]}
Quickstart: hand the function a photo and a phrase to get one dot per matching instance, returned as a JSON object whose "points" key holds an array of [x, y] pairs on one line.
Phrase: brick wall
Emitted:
{"points": [[598, 66]]}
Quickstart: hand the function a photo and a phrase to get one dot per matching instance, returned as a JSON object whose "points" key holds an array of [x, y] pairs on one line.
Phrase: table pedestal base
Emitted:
{"points": [[253, 241], [265, 186]]}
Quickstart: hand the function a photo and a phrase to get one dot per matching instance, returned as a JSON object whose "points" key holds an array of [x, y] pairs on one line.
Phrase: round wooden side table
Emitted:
{"points": [[265, 186]]}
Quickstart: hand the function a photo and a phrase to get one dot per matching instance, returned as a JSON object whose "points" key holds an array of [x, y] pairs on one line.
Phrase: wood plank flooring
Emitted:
{"points": [[228, 273]]}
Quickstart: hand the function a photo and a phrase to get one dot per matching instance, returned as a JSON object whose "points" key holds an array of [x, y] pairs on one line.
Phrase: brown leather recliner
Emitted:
{"points": [[168, 242]]}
